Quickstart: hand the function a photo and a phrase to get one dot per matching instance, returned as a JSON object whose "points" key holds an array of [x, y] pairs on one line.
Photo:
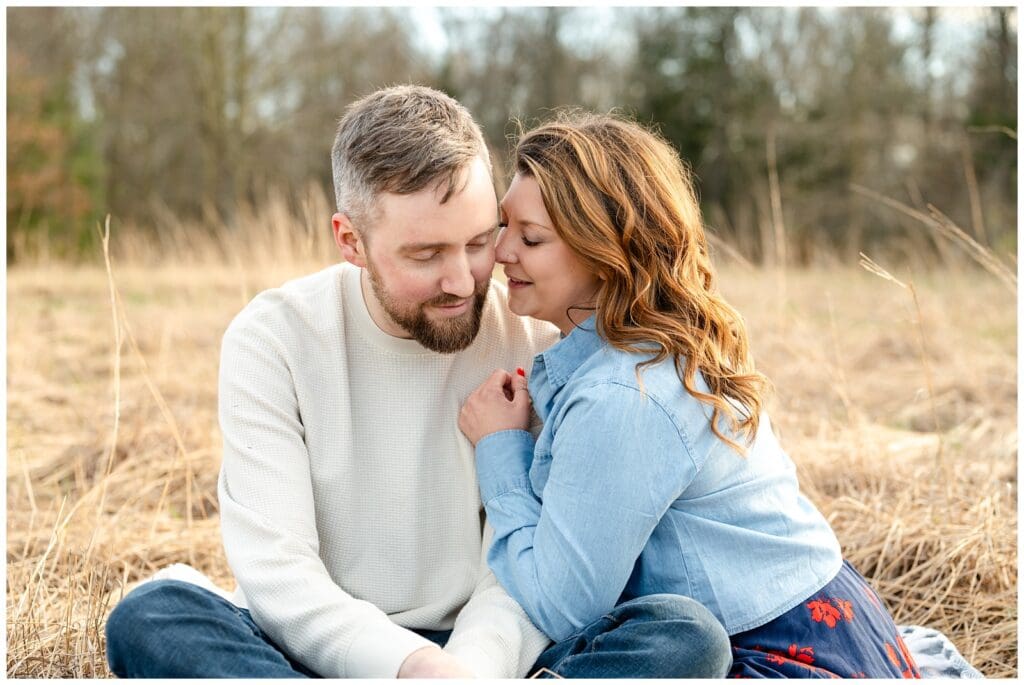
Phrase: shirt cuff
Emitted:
{"points": [[503, 462], [380, 649]]}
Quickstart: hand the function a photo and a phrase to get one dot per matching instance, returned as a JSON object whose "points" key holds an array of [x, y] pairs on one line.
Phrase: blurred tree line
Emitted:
{"points": [[189, 111]]}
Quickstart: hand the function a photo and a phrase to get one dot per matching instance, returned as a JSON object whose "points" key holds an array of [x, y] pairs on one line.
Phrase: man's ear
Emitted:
{"points": [[349, 242]]}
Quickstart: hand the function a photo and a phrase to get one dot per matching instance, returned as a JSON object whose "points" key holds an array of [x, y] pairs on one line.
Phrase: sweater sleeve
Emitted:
{"points": [[493, 636], [268, 522]]}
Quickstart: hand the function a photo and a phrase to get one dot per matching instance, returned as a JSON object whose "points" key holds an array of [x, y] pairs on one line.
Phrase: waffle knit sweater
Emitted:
{"points": [[348, 497]]}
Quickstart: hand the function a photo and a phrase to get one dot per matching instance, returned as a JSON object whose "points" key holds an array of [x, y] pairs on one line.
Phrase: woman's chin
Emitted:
{"points": [[524, 311], [516, 307], [520, 308]]}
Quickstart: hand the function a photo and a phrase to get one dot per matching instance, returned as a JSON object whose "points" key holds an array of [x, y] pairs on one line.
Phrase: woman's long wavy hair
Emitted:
{"points": [[624, 202]]}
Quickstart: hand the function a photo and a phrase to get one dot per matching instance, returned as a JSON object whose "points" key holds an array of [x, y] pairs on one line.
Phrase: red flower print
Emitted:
{"points": [[822, 611], [891, 653], [911, 671], [846, 607], [795, 656], [804, 654]]}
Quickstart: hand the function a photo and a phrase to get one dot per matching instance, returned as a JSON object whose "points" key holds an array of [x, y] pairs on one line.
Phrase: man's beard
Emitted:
{"points": [[445, 336]]}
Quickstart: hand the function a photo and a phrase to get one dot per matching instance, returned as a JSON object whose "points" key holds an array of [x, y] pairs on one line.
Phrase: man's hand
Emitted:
{"points": [[502, 402], [431, 662]]}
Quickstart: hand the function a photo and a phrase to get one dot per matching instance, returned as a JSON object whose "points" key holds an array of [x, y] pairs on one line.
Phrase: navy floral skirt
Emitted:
{"points": [[841, 631]]}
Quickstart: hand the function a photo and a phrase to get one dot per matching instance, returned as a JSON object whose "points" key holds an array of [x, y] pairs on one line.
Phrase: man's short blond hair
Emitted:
{"points": [[401, 140]]}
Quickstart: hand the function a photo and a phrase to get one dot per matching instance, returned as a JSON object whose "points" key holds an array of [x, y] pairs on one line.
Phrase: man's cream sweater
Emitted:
{"points": [[348, 496]]}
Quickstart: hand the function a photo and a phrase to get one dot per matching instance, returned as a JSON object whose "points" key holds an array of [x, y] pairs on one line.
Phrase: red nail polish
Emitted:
{"points": [[521, 372]]}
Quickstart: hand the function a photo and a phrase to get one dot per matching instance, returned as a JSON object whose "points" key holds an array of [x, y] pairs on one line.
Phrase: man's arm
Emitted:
{"points": [[493, 636], [269, 525]]}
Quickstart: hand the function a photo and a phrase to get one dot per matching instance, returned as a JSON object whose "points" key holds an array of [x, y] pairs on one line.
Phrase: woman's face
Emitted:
{"points": [[545, 277]]}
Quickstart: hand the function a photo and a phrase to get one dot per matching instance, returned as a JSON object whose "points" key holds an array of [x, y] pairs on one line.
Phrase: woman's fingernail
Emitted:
{"points": [[521, 372]]}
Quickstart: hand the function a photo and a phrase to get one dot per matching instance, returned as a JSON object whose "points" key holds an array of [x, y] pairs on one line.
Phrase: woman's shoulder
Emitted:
{"points": [[613, 375], [619, 377], [632, 368]]}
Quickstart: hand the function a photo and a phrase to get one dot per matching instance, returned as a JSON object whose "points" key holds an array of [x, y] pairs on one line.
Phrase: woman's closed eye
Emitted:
{"points": [[503, 225]]}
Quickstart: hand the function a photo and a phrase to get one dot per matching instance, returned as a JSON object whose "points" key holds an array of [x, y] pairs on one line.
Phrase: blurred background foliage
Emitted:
{"points": [[188, 113]]}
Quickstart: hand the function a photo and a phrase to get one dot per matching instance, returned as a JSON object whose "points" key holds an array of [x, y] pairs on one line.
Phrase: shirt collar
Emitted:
{"points": [[565, 356]]}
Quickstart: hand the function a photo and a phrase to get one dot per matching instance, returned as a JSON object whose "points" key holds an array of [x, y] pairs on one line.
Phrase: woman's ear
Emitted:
{"points": [[348, 240]]}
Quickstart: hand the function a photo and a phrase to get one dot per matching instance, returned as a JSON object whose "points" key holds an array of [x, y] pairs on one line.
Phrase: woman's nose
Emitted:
{"points": [[503, 252]]}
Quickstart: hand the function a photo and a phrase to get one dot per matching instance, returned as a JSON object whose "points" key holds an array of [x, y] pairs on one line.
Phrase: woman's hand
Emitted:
{"points": [[502, 402]]}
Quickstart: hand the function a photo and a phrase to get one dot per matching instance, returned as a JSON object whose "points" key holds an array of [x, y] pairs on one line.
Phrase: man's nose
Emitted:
{"points": [[458, 277]]}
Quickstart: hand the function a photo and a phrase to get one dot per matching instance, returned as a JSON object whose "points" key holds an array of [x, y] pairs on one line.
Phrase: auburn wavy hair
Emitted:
{"points": [[622, 199]]}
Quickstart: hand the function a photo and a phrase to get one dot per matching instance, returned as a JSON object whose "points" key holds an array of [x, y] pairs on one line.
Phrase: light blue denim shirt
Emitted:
{"points": [[625, 494]]}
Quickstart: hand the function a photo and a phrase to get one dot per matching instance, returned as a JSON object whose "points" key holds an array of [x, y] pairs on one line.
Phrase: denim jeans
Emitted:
{"points": [[656, 636], [173, 629]]}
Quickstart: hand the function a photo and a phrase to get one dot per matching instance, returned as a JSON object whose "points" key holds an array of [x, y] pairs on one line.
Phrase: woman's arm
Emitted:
{"points": [[618, 463]]}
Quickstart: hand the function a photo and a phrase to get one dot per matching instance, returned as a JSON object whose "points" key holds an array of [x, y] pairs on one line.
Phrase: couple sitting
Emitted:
{"points": [[651, 526]]}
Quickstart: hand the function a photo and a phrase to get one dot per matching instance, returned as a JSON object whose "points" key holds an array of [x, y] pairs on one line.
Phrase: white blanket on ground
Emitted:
{"points": [[934, 653]]}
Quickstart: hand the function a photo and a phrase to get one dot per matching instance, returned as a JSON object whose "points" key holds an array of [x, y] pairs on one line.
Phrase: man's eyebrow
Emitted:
{"points": [[417, 247]]}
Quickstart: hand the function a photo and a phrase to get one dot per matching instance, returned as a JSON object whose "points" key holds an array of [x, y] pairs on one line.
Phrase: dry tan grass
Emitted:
{"points": [[93, 508]]}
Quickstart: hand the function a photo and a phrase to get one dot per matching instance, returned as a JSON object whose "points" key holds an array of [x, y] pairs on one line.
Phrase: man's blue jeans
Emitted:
{"points": [[173, 629]]}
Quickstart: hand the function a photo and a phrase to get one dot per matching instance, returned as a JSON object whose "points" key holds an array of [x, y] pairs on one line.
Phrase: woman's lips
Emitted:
{"points": [[516, 283]]}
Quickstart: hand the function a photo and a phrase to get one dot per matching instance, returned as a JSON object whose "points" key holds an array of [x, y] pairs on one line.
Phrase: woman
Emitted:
{"points": [[656, 470]]}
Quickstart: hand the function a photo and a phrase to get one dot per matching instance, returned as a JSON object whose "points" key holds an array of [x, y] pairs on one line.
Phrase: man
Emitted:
{"points": [[349, 506]]}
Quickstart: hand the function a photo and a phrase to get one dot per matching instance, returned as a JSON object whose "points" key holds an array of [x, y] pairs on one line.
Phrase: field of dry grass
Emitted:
{"points": [[904, 430]]}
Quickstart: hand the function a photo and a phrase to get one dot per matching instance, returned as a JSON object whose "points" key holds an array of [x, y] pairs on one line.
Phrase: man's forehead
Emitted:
{"points": [[412, 243], [472, 179], [422, 219]]}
